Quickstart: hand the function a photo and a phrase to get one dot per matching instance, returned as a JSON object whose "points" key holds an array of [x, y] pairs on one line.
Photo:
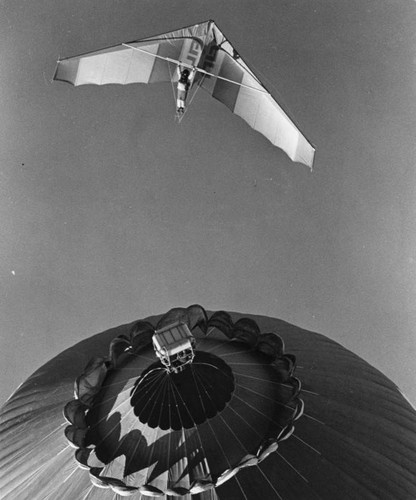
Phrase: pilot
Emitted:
{"points": [[185, 79]]}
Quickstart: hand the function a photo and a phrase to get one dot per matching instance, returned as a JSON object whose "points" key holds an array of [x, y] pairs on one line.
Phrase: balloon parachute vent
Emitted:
{"points": [[182, 398], [200, 415], [159, 417], [174, 345]]}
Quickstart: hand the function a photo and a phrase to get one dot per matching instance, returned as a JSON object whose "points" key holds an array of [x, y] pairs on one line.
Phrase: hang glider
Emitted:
{"points": [[220, 71]]}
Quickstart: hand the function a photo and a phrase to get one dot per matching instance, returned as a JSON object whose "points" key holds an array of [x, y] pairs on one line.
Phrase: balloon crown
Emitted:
{"points": [[236, 396]]}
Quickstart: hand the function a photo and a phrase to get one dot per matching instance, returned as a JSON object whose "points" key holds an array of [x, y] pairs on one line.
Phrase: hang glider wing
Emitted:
{"points": [[142, 61], [241, 91], [221, 72]]}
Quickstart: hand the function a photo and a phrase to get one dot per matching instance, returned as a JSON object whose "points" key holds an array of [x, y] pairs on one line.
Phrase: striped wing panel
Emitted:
{"points": [[248, 99]]}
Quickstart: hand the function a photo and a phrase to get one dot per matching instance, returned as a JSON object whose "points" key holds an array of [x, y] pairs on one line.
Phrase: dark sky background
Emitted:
{"points": [[110, 211]]}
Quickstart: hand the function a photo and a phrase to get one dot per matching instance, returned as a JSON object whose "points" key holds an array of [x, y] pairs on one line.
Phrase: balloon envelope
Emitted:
{"points": [[228, 420]]}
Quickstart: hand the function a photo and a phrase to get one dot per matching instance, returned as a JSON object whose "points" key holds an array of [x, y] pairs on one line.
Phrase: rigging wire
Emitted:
{"points": [[200, 70], [171, 82], [269, 84]]}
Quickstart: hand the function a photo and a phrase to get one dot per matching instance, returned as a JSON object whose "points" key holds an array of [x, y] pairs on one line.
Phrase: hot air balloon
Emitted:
{"points": [[219, 70], [199, 405]]}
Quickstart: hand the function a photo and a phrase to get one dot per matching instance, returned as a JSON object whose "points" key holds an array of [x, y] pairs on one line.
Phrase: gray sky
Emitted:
{"points": [[110, 211]]}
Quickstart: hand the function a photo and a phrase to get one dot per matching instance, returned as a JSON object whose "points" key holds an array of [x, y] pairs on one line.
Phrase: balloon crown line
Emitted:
{"points": [[88, 385]]}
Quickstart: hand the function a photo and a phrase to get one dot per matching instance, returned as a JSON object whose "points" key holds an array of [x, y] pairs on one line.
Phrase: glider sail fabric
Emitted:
{"points": [[144, 61], [249, 99], [221, 72]]}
